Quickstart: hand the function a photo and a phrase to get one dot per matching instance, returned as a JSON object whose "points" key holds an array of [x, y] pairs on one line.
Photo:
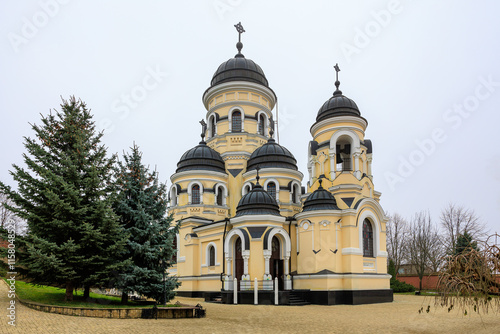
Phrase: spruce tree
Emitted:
{"points": [[464, 244], [141, 204], [64, 195]]}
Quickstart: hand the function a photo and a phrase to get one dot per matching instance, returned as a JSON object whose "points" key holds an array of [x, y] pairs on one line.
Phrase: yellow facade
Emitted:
{"points": [[332, 249]]}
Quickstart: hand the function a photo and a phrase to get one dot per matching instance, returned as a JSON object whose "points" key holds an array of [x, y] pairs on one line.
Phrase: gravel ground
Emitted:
{"points": [[401, 316]]}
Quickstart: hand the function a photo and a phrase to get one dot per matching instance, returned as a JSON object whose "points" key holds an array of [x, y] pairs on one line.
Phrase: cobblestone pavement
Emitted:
{"points": [[400, 316]]}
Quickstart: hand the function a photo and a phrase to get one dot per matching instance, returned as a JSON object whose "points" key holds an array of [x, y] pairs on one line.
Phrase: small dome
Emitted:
{"points": [[272, 154], [320, 199], [257, 202], [201, 157], [338, 105]]}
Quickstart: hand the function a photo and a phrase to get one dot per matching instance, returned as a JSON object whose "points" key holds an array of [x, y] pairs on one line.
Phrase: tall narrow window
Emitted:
{"points": [[236, 121], [220, 194], [246, 189], [173, 196], [367, 238], [212, 127], [262, 125], [211, 256], [295, 195], [195, 194], [271, 189]]}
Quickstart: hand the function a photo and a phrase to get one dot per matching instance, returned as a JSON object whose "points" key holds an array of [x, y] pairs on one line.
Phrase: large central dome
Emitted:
{"points": [[239, 69]]}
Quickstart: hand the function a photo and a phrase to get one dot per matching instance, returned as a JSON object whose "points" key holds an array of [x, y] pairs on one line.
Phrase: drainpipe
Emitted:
{"points": [[290, 220], [223, 253]]}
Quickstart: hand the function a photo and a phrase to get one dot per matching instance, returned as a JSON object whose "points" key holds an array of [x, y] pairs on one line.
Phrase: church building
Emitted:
{"points": [[243, 213]]}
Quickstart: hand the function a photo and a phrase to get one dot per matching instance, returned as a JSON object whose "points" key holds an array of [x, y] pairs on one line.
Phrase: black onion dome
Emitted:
{"points": [[272, 154], [338, 105], [239, 69], [320, 199], [201, 157], [257, 202]]}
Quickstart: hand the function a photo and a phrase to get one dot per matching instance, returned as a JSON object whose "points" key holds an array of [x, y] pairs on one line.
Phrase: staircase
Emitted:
{"points": [[294, 299], [216, 299]]}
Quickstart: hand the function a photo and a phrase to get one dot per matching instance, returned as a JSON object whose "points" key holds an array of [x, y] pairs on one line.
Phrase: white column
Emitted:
{"points": [[333, 165], [288, 282], [313, 169], [255, 292], [245, 283], [309, 170], [227, 279], [245, 264], [268, 283], [235, 292], [276, 291], [357, 172], [369, 171]]}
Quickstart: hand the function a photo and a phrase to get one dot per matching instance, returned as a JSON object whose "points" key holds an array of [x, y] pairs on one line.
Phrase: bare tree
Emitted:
{"points": [[470, 278], [422, 239], [8, 217], [456, 220], [397, 236], [437, 254]]}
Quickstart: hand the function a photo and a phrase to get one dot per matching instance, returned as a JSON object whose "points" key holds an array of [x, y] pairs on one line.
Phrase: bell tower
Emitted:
{"points": [[339, 151]]}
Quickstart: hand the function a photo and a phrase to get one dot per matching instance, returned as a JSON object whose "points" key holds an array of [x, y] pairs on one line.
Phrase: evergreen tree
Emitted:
{"points": [[141, 204], [464, 244], [63, 195]]}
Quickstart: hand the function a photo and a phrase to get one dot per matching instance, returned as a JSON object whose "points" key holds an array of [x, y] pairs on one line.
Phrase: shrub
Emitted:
{"points": [[397, 285]]}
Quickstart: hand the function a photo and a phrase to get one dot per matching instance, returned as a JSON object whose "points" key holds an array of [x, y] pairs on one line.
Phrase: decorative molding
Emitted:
{"points": [[212, 92], [250, 175], [175, 177], [339, 119], [352, 251]]}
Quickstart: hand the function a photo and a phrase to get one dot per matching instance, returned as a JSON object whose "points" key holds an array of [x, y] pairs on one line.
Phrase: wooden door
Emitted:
{"points": [[238, 261]]}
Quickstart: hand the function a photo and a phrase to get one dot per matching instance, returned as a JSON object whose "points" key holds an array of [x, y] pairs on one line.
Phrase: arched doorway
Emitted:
{"points": [[276, 263], [238, 261]]}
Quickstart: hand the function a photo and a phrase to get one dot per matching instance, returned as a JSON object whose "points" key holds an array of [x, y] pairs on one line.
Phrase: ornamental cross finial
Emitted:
{"points": [[203, 129], [240, 30], [337, 82]]}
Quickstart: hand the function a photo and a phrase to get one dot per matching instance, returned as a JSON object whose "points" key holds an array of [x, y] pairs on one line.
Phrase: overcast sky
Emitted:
{"points": [[425, 74]]}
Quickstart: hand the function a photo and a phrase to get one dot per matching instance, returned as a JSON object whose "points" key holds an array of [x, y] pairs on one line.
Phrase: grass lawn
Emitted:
{"points": [[55, 296], [429, 293]]}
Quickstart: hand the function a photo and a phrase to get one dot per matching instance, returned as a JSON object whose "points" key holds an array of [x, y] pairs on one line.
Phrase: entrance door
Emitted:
{"points": [[276, 263], [238, 261]]}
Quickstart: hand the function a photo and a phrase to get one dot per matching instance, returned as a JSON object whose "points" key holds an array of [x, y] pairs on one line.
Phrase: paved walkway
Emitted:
{"points": [[399, 317]]}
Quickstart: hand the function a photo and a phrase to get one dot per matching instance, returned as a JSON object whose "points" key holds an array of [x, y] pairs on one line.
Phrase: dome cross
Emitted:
{"points": [[239, 45], [337, 82]]}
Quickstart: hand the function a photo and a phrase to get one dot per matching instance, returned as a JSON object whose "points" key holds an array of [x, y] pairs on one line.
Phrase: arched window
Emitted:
{"points": [[367, 238], [195, 194], [211, 256], [262, 125], [219, 200], [246, 189], [236, 121], [211, 127], [271, 189], [173, 196], [295, 194], [343, 156]]}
